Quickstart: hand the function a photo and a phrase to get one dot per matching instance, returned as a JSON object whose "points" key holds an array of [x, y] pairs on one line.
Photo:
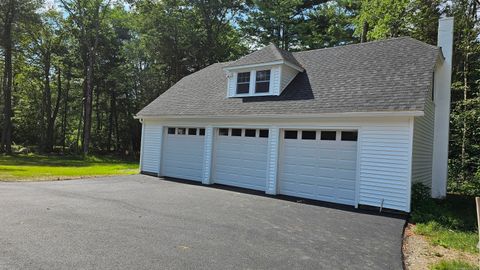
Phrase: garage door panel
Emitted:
{"points": [[183, 156], [318, 169], [240, 161]]}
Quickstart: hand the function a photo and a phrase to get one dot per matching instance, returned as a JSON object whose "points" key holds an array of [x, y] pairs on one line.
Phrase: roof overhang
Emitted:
{"points": [[279, 62], [289, 116]]}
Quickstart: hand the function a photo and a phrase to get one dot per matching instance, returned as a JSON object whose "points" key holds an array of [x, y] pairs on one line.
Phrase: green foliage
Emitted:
{"points": [[295, 24], [464, 148], [450, 222], [394, 18], [453, 265]]}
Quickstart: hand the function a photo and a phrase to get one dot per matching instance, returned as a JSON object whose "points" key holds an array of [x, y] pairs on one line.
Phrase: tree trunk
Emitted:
{"points": [[464, 128], [364, 32], [111, 118], [65, 109], [87, 109], [6, 144], [47, 95]]}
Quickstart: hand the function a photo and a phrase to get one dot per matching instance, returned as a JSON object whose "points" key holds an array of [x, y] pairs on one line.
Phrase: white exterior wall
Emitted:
{"points": [[423, 146], [384, 156], [385, 153], [443, 77], [288, 74], [151, 147], [275, 77]]}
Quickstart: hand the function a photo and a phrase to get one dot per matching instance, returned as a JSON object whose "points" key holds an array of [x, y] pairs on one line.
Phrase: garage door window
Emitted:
{"points": [[290, 134], [181, 131], [328, 135], [192, 131], [236, 132], [250, 132], [263, 133], [223, 132], [349, 136], [308, 135], [202, 132], [171, 130]]}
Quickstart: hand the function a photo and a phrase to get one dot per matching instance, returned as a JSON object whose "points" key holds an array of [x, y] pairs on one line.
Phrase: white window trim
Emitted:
{"points": [[269, 82], [252, 86]]}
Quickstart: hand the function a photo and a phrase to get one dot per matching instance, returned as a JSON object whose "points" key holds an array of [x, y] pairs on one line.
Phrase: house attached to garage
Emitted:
{"points": [[355, 124]]}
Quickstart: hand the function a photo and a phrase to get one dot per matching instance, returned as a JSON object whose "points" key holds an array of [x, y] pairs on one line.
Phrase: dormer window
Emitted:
{"points": [[262, 82], [243, 83], [266, 72]]}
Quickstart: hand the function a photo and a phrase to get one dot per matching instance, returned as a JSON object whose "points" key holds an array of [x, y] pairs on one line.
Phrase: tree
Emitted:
{"points": [[394, 18], [297, 24], [13, 15], [465, 145], [87, 16], [47, 41]]}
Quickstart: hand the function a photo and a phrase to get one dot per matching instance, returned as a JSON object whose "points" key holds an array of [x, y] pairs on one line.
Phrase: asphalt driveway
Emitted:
{"points": [[142, 222]]}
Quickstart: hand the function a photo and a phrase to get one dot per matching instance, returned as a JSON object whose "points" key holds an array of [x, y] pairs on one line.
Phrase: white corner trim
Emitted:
{"points": [[410, 157], [272, 163], [357, 169], [160, 159], [208, 156], [142, 147]]}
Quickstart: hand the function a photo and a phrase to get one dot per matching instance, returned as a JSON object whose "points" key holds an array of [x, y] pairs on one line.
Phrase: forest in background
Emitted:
{"points": [[75, 72]]}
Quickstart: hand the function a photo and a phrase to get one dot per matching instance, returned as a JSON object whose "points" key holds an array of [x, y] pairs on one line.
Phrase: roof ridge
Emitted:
{"points": [[277, 51], [367, 43]]}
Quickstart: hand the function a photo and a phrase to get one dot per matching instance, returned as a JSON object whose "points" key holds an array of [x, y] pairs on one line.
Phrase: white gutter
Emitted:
{"points": [[287, 116]]}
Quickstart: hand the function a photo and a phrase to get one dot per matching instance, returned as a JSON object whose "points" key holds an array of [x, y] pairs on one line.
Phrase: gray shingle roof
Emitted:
{"points": [[389, 75], [270, 53]]}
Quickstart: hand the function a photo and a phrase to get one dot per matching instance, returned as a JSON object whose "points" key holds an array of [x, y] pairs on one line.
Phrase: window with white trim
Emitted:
{"points": [[243, 83], [262, 81]]}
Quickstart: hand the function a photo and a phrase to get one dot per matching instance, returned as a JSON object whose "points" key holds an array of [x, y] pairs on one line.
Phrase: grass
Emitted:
{"points": [[450, 223], [453, 265], [34, 167]]}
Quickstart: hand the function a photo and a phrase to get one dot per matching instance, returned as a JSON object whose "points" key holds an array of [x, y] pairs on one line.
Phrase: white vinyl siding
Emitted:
{"points": [[423, 146], [232, 84], [275, 80], [151, 147], [288, 74], [183, 156], [385, 165]]}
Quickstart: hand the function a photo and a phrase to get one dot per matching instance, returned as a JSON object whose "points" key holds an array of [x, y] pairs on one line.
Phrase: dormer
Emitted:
{"points": [[265, 72]]}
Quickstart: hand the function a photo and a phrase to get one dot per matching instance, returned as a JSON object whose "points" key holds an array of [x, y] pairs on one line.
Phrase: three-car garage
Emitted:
{"points": [[312, 163]]}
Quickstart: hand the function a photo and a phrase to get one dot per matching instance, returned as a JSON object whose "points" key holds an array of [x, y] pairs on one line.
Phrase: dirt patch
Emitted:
{"points": [[419, 254]]}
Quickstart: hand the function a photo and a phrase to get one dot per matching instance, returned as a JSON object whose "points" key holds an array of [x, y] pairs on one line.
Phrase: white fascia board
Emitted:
{"points": [[289, 116], [280, 62]]}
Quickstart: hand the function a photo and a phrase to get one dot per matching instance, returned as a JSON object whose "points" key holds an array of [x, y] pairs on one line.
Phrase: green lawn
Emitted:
{"points": [[453, 265], [33, 167], [450, 223]]}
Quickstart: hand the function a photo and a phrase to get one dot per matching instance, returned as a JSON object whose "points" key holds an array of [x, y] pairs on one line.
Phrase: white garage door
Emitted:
{"points": [[319, 165], [241, 157], [183, 153]]}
